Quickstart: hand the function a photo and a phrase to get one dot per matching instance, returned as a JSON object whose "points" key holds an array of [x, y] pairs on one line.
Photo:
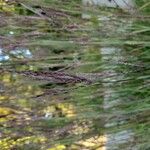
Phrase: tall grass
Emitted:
{"points": [[110, 47]]}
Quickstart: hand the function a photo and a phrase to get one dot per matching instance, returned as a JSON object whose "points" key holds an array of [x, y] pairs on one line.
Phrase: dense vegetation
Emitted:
{"points": [[74, 77]]}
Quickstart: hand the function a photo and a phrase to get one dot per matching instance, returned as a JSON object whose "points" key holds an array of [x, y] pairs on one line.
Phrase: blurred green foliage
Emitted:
{"points": [[109, 46]]}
